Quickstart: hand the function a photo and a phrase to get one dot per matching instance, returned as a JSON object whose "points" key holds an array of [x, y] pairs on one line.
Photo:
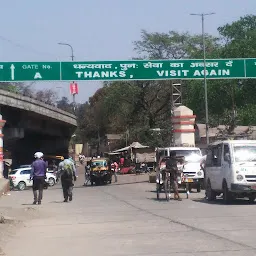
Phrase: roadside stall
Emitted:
{"points": [[135, 153]]}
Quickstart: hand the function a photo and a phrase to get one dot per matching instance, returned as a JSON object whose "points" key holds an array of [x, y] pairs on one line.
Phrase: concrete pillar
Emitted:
{"points": [[183, 127], [2, 123]]}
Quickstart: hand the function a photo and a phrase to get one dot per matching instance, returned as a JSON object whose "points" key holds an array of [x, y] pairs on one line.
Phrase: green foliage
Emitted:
{"points": [[142, 108], [226, 97], [239, 38], [10, 87], [65, 105], [174, 45], [247, 115], [47, 96]]}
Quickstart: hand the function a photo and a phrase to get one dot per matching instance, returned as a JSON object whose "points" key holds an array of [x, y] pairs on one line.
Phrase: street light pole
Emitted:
{"points": [[72, 51], [72, 58], [205, 79]]}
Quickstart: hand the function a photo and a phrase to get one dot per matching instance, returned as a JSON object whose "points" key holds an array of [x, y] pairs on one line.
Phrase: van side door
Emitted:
{"points": [[226, 165], [216, 162]]}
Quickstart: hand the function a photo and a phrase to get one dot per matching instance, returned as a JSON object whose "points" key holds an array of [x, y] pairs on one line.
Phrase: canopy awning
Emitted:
{"points": [[133, 145]]}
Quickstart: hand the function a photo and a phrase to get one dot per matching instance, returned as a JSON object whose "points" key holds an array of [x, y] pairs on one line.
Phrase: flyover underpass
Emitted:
{"points": [[33, 126]]}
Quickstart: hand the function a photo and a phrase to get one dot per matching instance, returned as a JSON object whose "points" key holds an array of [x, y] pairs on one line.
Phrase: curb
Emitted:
{"points": [[4, 187]]}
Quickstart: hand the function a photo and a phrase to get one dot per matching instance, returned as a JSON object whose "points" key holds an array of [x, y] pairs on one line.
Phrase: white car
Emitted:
{"points": [[21, 178]]}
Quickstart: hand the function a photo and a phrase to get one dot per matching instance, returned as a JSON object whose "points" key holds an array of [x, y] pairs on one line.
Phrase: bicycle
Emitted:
{"points": [[167, 186], [163, 181], [184, 179], [159, 185]]}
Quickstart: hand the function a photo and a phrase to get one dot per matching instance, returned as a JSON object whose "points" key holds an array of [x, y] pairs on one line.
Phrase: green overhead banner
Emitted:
{"points": [[127, 70]]}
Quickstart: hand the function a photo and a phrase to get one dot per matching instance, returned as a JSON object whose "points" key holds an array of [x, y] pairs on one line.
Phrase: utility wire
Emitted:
{"points": [[24, 47]]}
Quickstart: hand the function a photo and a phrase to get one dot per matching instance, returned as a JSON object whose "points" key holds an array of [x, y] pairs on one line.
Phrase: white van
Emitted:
{"points": [[192, 167], [231, 170]]}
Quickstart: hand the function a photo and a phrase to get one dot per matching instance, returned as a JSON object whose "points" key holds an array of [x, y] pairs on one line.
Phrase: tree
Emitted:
{"points": [[65, 105], [142, 108], [174, 45], [239, 38], [25, 90], [47, 96], [228, 99], [9, 87]]}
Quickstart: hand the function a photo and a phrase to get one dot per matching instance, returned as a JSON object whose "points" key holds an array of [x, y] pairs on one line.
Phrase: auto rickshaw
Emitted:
{"points": [[100, 172]]}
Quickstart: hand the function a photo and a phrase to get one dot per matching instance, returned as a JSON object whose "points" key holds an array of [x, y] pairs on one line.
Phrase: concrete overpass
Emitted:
{"points": [[33, 126]]}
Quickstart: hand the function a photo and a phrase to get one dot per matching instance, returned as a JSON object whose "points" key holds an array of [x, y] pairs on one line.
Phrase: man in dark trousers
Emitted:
{"points": [[67, 172], [38, 175], [6, 169], [172, 167]]}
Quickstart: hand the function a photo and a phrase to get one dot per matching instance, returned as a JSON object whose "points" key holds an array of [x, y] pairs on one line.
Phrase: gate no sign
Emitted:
{"points": [[127, 70]]}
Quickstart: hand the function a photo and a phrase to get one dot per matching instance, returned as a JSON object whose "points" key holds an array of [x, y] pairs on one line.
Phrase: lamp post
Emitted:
{"points": [[202, 15], [72, 51], [72, 58]]}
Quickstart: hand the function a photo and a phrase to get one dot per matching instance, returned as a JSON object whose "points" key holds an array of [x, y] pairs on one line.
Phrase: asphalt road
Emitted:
{"points": [[126, 219]]}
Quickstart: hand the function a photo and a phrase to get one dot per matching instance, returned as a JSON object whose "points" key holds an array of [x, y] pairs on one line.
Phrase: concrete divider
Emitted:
{"points": [[4, 186]]}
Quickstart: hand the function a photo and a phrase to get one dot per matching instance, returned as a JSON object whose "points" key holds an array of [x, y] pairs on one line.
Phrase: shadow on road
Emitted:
{"points": [[57, 202], [219, 201], [128, 183], [161, 199], [180, 191], [100, 185]]}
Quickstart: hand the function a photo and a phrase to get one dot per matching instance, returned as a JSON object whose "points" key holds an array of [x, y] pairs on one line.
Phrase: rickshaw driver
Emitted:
{"points": [[172, 167]]}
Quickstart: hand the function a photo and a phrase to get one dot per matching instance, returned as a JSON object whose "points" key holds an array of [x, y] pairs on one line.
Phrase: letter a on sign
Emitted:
{"points": [[37, 76], [73, 88]]}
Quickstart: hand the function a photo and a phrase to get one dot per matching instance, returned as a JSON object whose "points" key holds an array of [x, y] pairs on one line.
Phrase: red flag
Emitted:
{"points": [[73, 88]]}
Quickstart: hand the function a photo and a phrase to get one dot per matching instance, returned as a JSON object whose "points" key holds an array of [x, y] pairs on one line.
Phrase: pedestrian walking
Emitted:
{"points": [[38, 175], [115, 169], [6, 169], [67, 172]]}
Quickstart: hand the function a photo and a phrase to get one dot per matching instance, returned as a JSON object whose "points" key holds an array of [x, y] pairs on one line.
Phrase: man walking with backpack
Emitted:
{"points": [[67, 172]]}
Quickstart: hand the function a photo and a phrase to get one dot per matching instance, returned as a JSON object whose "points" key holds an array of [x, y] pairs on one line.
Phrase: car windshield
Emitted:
{"points": [[12, 172], [99, 163], [191, 156], [245, 153]]}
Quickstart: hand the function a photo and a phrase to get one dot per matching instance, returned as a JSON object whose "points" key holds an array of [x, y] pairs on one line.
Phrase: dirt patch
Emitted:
{"points": [[4, 187], [12, 219]]}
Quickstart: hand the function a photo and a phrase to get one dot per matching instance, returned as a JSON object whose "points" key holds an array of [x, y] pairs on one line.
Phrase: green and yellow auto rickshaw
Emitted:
{"points": [[100, 172]]}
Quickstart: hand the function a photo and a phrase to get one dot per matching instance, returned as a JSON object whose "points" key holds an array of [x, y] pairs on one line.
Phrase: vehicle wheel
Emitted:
{"points": [[21, 185], [51, 182], [167, 189], [252, 198], [227, 195], [198, 189], [211, 195]]}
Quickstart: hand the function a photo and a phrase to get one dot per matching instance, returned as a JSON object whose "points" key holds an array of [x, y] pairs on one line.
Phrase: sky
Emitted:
{"points": [[100, 29]]}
